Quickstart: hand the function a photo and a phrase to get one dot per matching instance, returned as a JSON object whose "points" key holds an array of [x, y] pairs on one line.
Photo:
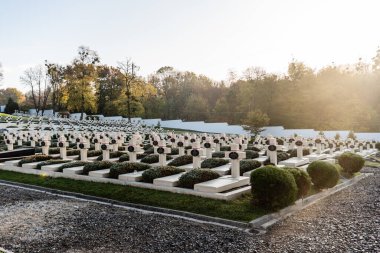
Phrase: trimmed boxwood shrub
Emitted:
{"points": [[249, 154], [281, 156], [34, 158], [174, 151], [52, 151], [377, 145], [350, 162], [92, 153], [250, 147], [163, 171], [72, 152], [323, 174], [302, 179], [213, 162], [113, 154], [196, 176], [248, 165], [153, 158], [273, 188], [149, 151], [225, 148], [50, 162], [181, 160], [293, 152], [126, 167], [147, 146], [96, 166], [220, 154], [124, 158]]}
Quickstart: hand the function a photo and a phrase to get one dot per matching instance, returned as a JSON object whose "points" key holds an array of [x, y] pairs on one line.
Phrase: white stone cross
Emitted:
{"points": [[235, 155]]}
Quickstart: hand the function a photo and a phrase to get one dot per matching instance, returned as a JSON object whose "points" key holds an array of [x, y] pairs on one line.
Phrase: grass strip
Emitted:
{"points": [[240, 209]]}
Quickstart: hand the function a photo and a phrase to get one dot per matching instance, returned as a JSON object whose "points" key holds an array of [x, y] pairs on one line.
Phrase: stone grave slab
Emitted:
{"points": [[222, 170], [99, 173], [30, 165], [131, 177], [295, 162], [169, 181], [221, 184], [12, 162], [73, 170]]}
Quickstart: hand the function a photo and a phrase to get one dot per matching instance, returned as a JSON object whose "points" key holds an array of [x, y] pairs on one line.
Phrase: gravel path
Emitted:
{"points": [[349, 221]]}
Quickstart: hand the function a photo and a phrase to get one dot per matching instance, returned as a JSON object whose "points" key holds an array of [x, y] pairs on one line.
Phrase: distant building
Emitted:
{"points": [[2, 108]]}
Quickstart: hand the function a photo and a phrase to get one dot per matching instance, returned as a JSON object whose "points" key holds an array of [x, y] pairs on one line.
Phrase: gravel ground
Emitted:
{"points": [[348, 221]]}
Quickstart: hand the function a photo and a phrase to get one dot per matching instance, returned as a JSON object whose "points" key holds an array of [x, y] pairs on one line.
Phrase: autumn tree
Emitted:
{"points": [[36, 79], [81, 76], [13, 93], [56, 75], [255, 121]]}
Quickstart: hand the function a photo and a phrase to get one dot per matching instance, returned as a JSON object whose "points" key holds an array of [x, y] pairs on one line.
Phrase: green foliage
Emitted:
{"points": [[351, 135], [71, 165], [126, 167], [34, 158], [196, 176], [181, 160], [220, 154], [273, 188], [113, 154], [96, 166], [154, 158], [293, 152], [350, 162], [255, 121], [50, 162], [72, 152], [377, 145], [163, 171], [302, 179], [213, 162], [11, 106], [248, 165], [225, 148], [249, 154], [124, 158], [323, 174]]}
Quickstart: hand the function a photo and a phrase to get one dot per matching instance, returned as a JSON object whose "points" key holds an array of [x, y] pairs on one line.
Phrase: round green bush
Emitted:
{"points": [[248, 165], [196, 176], [273, 188], [163, 171], [153, 158], [249, 154], [350, 162], [71, 165], [96, 166], [323, 174], [302, 179], [213, 162], [181, 160], [126, 167], [251, 147], [219, 154]]}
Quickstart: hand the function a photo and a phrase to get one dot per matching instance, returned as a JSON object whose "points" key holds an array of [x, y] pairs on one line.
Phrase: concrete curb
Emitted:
{"points": [[269, 220], [131, 206]]}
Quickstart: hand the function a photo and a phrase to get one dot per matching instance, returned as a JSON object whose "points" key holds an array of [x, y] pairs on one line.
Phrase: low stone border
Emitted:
{"points": [[131, 206], [266, 221]]}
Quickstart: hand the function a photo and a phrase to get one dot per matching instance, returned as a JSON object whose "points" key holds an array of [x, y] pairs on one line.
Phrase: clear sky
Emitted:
{"points": [[205, 36]]}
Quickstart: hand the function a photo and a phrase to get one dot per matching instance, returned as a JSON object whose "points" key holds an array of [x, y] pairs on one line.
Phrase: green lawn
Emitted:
{"points": [[240, 209]]}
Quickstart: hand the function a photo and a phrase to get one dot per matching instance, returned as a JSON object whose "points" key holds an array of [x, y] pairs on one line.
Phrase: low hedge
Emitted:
{"points": [[249, 154], [250, 147], [52, 151], [113, 154], [248, 165], [181, 160], [220, 154], [125, 157], [213, 162], [163, 171], [34, 158], [273, 188], [174, 151], [196, 176], [293, 152], [377, 145], [350, 162], [126, 167], [96, 166], [153, 158], [72, 152], [323, 174], [71, 165], [225, 148], [302, 179], [50, 162]]}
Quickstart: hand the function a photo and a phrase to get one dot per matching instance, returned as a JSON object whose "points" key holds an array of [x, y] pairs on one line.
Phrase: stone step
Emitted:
{"points": [[131, 177], [170, 181], [30, 165], [99, 173], [12, 162], [73, 170], [221, 184]]}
